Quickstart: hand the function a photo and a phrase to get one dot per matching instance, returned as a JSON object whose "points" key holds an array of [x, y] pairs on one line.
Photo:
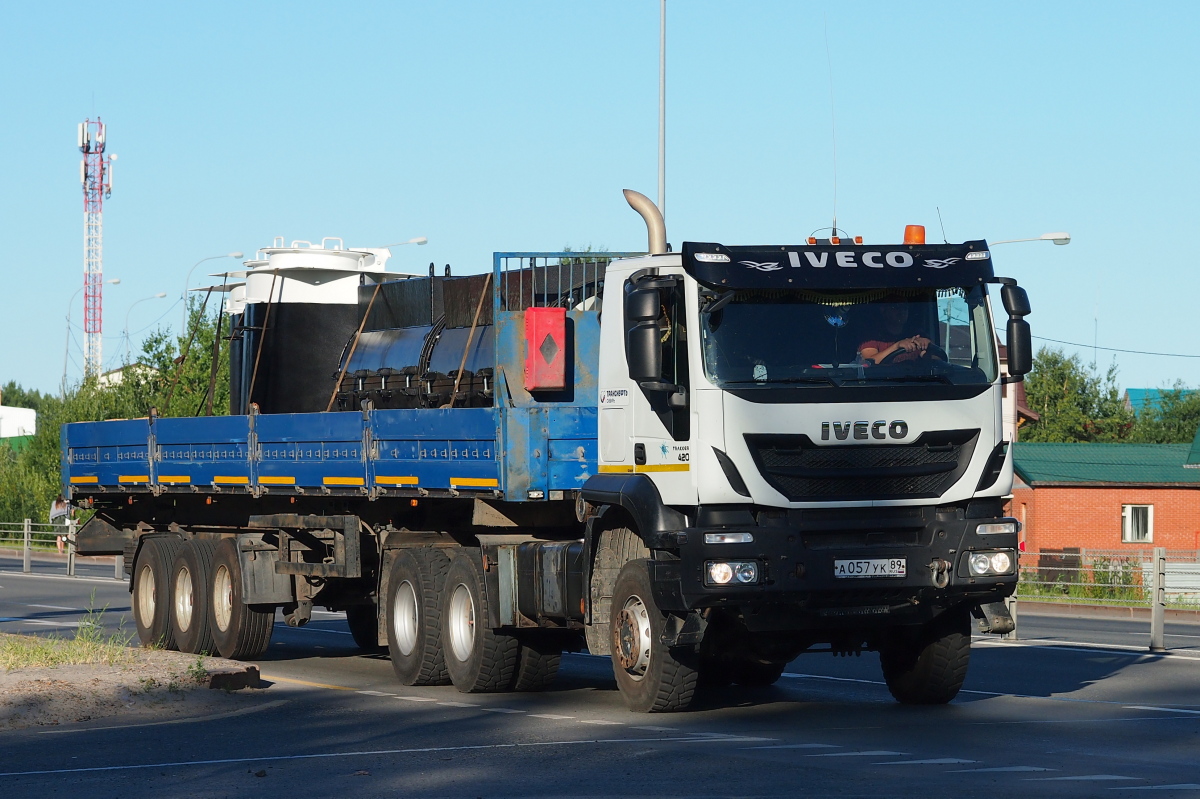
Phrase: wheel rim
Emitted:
{"points": [[404, 617], [462, 622], [146, 600], [222, 598], [183, 599], [631, 638]]}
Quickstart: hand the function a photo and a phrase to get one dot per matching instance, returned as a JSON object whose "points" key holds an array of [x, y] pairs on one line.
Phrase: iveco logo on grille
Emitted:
{"points": [[865, 431]]}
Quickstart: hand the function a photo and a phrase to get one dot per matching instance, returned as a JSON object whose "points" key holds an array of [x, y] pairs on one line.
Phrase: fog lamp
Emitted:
{"points": [[720, 573]]}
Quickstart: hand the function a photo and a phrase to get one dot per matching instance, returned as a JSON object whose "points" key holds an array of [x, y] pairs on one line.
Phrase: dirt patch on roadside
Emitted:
{"points": [[145, 684]]}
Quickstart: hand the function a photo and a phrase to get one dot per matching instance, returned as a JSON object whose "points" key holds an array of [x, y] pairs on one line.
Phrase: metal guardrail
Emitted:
{"points": [[30, 537], [1155, 579]]}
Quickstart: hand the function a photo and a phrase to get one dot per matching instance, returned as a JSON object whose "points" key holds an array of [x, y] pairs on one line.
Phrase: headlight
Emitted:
{"points": [[980, 563], [996, 528], [740, 572], [990, 563], [1001, 563]]}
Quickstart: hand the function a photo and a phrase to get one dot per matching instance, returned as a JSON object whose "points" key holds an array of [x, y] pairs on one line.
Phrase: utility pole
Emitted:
{"points": [[662, 108]]}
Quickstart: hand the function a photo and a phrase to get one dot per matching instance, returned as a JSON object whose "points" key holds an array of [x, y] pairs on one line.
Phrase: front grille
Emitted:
{"points": [[804, 472]]}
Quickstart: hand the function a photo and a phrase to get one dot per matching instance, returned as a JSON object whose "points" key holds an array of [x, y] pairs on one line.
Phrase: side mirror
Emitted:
{"points": [[643, 339], [1015, 300], [1020, 348], [642, 305]]}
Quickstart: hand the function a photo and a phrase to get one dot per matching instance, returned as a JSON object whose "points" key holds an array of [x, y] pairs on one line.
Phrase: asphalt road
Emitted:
{"points": [[1035, 717]]}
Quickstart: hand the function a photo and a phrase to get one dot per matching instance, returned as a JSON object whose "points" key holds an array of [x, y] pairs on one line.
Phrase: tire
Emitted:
{"points": [[414, 616], [538, 662], [151, 580], [752, 674], [929, 669], [651, 677], [191, 621], [617, 547], [478, 659], [363, 621], [240, 631]]}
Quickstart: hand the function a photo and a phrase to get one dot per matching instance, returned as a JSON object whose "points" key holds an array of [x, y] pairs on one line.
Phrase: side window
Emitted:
{"points": [[1137, 524], [672, 325]]}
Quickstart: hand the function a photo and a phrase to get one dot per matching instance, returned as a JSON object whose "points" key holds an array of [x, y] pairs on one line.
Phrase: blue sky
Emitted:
{"points": [[514, 126]]}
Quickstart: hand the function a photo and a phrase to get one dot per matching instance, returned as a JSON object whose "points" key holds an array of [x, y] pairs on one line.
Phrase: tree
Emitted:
{"points": [[1076, 403], [1173, 420]]}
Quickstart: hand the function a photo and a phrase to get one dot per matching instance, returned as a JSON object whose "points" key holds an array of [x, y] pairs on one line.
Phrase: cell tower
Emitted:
{"points": [[95, 173]]}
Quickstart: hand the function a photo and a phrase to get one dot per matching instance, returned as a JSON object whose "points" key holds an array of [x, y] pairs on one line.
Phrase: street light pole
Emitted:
{"points": [[67, 349], [188, 280], [157, 296]]}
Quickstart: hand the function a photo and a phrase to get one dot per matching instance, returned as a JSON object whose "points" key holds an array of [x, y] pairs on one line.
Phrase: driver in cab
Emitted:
{"points": [[893, 340]]}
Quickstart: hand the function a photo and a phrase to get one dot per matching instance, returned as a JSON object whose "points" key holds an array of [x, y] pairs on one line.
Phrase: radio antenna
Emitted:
{"points": [[832, 119], [942, 225]]}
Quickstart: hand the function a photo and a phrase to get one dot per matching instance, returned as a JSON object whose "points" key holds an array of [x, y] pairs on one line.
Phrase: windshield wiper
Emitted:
{"points": [[781, 381], [929, 378]]}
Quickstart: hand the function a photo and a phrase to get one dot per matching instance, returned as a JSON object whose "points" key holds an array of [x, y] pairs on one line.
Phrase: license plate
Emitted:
{"points": [[871, 567]]}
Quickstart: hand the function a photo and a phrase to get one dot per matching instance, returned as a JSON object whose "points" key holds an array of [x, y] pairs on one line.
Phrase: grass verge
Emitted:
{"points": [[90, 644]]}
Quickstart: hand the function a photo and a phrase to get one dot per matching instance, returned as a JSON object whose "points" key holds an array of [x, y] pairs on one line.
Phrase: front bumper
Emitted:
{"points": [[796, 553]]}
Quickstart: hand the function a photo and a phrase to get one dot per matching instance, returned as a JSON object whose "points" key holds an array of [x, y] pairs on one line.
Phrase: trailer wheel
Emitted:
{"points": [[537, 665], [190, 619], [929, 669], [241, 631], [152, 591], [478, 659], [364, 627], [651, 677], [414, 616]]}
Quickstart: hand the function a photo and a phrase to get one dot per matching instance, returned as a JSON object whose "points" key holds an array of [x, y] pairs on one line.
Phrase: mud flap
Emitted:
{"points": [[684, 629], [994, 618]]}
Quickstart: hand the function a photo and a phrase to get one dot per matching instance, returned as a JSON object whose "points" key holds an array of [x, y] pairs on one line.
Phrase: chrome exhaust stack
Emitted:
{"points": [[656, 228]]}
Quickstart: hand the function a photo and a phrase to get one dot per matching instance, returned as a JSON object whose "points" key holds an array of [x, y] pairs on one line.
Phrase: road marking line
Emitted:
{"points": [[794, 746], [657, 729], [307, 683], [460, 704], [1082, 778], [375, 693], [56, 607], [599, 721], [500, 710], [873, 753], [999, 770], [935, 761], [195, 719], [1163, 709], [421, 699], [313, 629], [371, 753], [1179, 786], [1085, 646], [52, 623], [560, 718]]}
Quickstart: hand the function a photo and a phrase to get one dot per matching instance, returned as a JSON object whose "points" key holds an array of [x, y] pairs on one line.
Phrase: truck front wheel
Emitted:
{"points": [[651, 677], [414, 616], [152, 591], [241, 631], [930, 667], [478, 658]]}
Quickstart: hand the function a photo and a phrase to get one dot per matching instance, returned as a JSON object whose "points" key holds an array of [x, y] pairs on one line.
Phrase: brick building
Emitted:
{"points": [[1106, 496]]}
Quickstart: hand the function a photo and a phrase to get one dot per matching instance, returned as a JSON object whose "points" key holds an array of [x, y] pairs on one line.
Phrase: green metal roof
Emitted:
{"points": [[1122, 464]]}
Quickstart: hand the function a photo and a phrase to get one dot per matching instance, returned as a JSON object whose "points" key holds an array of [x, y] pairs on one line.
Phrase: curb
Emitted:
{"points": [[234, 678], [1082, 611]]}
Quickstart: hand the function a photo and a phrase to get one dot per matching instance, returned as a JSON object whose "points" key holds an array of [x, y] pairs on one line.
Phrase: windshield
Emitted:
{"points": [[772, 337]]}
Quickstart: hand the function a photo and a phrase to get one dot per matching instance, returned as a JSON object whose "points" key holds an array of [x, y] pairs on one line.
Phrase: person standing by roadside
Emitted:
{"points": [[60, 511]]}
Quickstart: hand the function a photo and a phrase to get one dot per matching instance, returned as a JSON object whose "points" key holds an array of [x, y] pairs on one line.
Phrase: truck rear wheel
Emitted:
{"points": [[190, 618], [538, 663], [929, 668], [414, 616], [478, 658], [152, 591], [241, 631], [363, 621], [651, 677]]}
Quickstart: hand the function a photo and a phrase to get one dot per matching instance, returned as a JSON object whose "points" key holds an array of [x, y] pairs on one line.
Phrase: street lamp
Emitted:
{"points": [[1057, 238], [157, 296], [183, 296], [116, 281], [419, 240]]}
